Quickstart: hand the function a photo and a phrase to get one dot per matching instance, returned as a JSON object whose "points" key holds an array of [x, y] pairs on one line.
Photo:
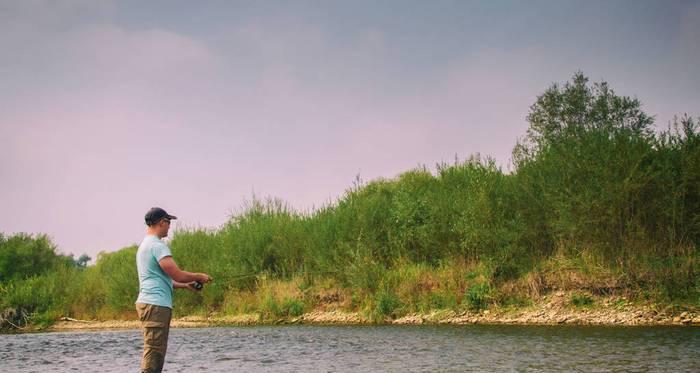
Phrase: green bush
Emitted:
{"points": [[386, 305], [477, 297], [442, 300], [269, 307], [23, 256], [581, 300], [292, 307], [118, 275]]}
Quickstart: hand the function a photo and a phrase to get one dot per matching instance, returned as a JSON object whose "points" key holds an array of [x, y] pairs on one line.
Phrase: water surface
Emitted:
{"points": [[367, 349]]}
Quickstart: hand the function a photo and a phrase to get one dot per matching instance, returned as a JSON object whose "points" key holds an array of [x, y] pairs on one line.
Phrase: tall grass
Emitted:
{"points": [[598, 199]]}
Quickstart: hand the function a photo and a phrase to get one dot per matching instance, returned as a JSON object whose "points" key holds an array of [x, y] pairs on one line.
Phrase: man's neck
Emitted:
{"points": [[152, 232]]}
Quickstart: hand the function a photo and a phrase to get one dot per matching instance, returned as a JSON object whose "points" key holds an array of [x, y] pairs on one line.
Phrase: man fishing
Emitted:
{"points": [[158, 276]]}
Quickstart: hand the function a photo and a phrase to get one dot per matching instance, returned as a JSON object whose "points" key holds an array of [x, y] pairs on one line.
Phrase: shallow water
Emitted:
{"points": [[366, 349]]}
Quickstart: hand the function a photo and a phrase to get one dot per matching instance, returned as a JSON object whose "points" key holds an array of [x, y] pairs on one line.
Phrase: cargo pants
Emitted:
{"points": [[155, 323]]}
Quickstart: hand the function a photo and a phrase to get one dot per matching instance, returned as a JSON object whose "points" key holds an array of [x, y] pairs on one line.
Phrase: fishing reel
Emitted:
{"points": [[198, 285]]}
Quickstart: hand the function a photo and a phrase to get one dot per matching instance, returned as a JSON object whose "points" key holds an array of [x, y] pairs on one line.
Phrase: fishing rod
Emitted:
{"points": [[199, 285]]}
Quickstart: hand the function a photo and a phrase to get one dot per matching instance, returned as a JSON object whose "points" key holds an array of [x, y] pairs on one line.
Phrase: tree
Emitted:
{"points": [[82, 261], [23, 255], [586, 166], [577, 108]]}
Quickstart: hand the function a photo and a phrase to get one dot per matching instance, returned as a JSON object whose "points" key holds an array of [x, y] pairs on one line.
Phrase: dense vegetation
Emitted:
{"points": [[599, 200]]}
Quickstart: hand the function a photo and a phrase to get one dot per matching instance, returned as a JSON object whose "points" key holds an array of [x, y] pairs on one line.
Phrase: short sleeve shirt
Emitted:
{"points": [[155, 286]]}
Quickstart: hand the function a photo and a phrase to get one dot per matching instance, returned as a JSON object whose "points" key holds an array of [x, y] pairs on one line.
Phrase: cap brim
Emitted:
{"points": [[171, 217]]}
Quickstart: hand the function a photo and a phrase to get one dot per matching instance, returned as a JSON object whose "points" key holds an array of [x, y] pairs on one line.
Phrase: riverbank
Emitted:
{"points": [[552, 309]]}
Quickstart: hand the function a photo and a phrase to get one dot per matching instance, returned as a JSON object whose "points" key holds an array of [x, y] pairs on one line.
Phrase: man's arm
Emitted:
{"points": [[180, 285], [170, 267], [183, 285]]}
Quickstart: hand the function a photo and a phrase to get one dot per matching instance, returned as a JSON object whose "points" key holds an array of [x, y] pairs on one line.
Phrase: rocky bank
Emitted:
{"points": [[553, 309]]}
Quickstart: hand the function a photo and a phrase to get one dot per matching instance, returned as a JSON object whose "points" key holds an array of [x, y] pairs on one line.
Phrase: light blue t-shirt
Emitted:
{"points": [[155, 286]]}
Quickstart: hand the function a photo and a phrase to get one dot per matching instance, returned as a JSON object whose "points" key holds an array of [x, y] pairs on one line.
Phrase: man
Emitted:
{"points": [[158, 275]]}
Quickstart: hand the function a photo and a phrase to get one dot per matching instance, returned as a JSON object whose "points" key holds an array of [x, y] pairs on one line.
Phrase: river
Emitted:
{"points": [[477, 348]]}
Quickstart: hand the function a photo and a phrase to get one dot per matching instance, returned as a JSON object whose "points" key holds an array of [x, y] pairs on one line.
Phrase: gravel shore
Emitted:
{"points": [[553, 309]]}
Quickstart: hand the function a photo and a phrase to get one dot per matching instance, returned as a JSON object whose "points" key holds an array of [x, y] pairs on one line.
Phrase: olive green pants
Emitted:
{"points": [[155, 323]]}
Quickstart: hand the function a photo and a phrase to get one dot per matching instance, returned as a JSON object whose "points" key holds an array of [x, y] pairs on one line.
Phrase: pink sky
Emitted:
{"points": [[107, 109]]}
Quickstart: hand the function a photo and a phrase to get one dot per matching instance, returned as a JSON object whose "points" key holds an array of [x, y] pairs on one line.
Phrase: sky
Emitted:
{"points": [[108, 108]]}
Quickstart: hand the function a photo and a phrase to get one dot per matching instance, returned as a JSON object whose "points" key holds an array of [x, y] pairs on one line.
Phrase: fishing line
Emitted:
{"points": [[263, 274], [199, 286]]}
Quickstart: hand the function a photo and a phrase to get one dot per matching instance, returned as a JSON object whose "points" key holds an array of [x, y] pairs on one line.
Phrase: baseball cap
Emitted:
{"points": [[155, 214]]}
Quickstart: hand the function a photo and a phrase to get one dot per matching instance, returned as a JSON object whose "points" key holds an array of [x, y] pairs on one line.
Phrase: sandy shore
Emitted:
{"points": [[550, 310]]}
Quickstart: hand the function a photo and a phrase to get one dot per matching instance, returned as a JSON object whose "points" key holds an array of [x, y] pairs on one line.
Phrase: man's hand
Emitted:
{"points": [[191, 287], [204, 278]]}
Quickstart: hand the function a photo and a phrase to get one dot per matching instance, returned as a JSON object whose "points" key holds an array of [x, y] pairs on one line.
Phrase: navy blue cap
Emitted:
{"points": [[155, 214]]}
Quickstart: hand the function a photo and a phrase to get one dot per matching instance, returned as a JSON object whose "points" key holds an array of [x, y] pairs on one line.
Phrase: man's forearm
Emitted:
{"points": [[185, 277], [179, 285]]}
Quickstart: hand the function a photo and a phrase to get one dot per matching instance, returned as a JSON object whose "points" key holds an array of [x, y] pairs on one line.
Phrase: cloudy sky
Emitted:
{"points": [[110, 107]]}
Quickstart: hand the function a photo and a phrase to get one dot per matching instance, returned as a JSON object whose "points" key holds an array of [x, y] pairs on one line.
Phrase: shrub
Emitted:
{"points": [[292, 307], [386, 305], [23, 256], [477, 297], [581, 300]]}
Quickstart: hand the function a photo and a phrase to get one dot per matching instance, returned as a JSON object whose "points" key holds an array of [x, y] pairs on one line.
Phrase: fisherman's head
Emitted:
{"points": [[158, 221]]}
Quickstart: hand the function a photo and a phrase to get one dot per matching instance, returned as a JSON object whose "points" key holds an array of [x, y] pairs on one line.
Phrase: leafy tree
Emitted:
{"points": [[593, 174], [82, 261], [576, 109], [586, 165], [23, 256]]}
